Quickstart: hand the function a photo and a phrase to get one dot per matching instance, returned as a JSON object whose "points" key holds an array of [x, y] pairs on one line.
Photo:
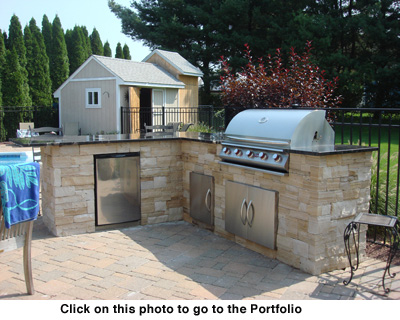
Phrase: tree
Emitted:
{"points": [[16, 42], [59, 63], [3, 132], [107, 50], [269, 84], [126, 53], [76, 47], [95, 41], [118, 51], [47, 34], [14, 90], [355, 40], [37, 66], [202, 31]]}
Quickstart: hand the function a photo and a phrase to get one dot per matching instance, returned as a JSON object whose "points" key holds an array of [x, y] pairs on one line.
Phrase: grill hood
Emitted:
{"points": [[261, 138], [281, 128]]}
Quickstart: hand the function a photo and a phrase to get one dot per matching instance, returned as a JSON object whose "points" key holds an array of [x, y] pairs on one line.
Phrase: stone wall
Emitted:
{"points": [[68, 199], [319, 197]]}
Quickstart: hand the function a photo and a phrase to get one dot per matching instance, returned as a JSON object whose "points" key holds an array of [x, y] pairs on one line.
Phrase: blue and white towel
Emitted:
{"points": [[19, 188]]}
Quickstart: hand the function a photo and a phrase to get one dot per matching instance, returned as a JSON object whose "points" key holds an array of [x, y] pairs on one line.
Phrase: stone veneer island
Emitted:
{"points": [[321, 194]]}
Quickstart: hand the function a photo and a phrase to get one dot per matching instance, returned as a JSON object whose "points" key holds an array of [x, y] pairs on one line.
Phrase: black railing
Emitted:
{"points": [[134, 119], [10, 117]]}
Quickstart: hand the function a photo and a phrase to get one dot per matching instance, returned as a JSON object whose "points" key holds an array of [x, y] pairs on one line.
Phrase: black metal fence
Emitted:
{"points": [[134, 119], [10, 117]]}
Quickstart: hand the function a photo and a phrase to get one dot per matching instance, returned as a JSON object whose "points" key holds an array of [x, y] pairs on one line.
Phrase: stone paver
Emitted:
{"points": [[173, 261]]}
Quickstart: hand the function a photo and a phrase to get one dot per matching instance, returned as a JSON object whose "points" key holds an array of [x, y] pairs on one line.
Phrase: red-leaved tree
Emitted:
{"points": [[270, 84]]}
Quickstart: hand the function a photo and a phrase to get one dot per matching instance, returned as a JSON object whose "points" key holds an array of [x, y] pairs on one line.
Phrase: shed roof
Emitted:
{"points": [[139, 72], [179, 62]]}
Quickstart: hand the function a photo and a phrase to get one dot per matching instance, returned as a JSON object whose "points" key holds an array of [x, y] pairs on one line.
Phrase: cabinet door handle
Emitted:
{"points": [[205, 200], [243, 217], [250, 221]]}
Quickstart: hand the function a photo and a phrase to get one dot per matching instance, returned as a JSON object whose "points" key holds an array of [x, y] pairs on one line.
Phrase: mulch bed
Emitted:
{"points": [[380, 252]]}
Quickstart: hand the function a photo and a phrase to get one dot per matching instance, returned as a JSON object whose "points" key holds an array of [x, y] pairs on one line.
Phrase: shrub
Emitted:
{"points": [[272, 85]]}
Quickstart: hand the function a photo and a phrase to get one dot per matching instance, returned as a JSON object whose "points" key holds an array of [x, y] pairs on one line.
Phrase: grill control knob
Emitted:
{"points": [[277, 157], [238, 152], [263, 156], [226, 150], [250, 154]]}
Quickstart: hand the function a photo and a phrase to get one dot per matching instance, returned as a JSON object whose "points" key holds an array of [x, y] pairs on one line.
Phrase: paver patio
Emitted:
{"points": [[173, 261]]}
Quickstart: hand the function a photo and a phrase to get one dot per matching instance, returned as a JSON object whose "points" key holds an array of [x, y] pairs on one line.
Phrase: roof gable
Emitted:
{"points": [[177, 61], [128, 71]]}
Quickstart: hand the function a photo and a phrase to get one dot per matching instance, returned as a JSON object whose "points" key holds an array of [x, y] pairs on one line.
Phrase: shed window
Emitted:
{"points": [[93, 98]]}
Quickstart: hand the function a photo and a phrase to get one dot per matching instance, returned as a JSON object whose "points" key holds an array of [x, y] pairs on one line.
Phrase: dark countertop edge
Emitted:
{"points": [[338, 149], [22, 141]]}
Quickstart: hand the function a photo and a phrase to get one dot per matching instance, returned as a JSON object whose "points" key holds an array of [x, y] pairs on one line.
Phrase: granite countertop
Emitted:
{"points": [[56, 140], [45, 140]]}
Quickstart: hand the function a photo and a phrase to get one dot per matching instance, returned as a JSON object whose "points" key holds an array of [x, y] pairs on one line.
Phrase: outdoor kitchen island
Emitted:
{"points": [[321, 194]]}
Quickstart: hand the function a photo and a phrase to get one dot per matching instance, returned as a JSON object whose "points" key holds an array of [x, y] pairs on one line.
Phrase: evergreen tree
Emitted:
{"points": [[37, 66], [126, 53], [14, 91], [59, 63], [47, 34], [118, 51], [3, 132], [77, 49], [16, 42], [107, 50], [95, 41], [86, 41], [2, 53]]}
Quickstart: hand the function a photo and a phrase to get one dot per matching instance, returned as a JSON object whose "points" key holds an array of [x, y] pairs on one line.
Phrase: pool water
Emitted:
{"points": [[15, 157]]}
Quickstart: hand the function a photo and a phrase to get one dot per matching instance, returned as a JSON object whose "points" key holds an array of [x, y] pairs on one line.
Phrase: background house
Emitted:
{"points": [[96, 92]]}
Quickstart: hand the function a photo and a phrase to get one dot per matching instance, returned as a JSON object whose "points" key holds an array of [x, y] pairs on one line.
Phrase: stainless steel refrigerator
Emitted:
{"points": [[117, 188]]}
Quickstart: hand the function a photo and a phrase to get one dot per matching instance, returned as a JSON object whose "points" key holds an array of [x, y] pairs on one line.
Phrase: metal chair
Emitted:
{"points": [[17, 236], [185, 127]]}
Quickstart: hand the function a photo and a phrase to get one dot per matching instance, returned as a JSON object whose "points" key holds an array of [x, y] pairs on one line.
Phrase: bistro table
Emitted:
{"points": [[388, 222]]}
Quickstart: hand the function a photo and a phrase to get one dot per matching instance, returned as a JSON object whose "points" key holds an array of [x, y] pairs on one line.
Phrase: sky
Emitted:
{"points": [[88, 13]]}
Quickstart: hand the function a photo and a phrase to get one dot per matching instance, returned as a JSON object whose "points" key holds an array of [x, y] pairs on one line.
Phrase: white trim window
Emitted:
{"points": [[93, 98]]}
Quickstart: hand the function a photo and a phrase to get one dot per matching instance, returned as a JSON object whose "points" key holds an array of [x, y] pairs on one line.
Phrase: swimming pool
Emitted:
{"points": [[15, 157]]}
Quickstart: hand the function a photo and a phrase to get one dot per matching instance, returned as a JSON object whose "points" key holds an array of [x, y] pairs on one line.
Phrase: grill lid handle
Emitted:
{"points": [[264, 141]]}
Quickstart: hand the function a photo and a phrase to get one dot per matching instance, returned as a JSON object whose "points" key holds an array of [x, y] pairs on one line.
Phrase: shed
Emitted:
{"points": [[113, 95]]}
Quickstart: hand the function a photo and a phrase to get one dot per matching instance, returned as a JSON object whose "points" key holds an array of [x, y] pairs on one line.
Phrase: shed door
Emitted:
{"points": [[158, 104]]}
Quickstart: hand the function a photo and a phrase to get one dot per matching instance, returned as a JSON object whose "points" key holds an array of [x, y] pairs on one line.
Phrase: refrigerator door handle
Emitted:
{"points": [[205, 200]]}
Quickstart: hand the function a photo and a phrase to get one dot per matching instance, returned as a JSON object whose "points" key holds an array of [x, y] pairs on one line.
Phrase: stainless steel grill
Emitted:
{"points": [[262, 138]]}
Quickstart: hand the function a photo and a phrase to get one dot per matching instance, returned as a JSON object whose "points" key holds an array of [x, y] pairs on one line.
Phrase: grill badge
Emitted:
{"points": [[263, 120]]}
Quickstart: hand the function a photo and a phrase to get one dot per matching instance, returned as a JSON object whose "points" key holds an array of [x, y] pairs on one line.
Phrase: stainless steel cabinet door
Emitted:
{"points": [[117, 189], [251, 213], [202, 198], [262, 216], [235, 208]]}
